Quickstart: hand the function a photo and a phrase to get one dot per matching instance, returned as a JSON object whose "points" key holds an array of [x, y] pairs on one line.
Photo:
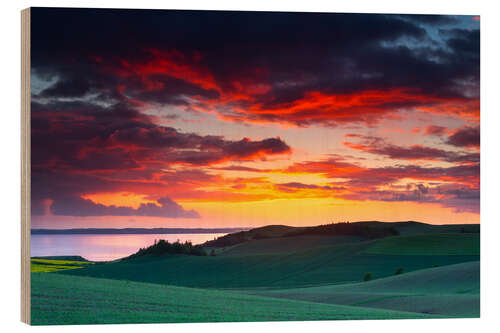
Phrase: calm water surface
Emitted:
{"points": [[104, 247]]}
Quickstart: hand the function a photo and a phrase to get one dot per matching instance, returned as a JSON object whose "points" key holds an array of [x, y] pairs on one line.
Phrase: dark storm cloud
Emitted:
{"points": [[465, 137], [246, 147], [199, 150], [113, 32], [464, 42], [67, 88], [171, 91], [89, 137], [431, 19], [61, 130], [276, 62]]}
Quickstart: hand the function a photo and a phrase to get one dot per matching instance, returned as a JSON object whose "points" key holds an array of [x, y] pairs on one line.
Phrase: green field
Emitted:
{"points": [[309, 277], [56, 265], [428, 244], [338, 263], [451, 290], [63, 299], [286, 245]]}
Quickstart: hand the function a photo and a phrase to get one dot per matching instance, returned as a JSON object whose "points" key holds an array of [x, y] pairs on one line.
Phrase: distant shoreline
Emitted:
{"points": [[131, 231]]}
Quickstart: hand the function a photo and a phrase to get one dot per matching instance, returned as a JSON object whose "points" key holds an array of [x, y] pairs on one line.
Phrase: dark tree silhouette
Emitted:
{"points": [[161, 247]]}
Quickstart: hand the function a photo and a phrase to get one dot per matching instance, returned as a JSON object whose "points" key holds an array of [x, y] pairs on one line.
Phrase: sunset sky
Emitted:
{"points": [[213, 119]]}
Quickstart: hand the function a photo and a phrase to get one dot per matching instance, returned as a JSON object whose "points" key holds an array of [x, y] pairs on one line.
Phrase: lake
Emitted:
{"points": [[104, 247]]}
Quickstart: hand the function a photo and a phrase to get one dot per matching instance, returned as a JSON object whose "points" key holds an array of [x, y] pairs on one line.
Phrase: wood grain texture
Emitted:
{"points": [[25, 166]]}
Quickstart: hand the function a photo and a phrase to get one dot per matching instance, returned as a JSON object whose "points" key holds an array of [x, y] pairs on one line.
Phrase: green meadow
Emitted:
{"points": [[451, 290], [56, 265], [65, 299], [281, 275]]}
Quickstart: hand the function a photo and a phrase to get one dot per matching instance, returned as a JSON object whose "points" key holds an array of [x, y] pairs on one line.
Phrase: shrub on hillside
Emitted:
{"points": [[164, 247]]}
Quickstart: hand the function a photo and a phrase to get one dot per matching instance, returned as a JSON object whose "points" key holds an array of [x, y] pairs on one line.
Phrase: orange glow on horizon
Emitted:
{"points": [[315, 211], [123, 199]]}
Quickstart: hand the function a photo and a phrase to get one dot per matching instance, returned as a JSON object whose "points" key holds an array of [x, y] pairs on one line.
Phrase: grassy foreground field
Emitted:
{"points": [[63, 299]]}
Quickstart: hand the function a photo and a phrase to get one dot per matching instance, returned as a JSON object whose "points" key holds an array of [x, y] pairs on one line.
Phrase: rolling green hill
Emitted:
{"points": [[451, 290], [363, 229], [270, 231], [358, 230], [58, 299], [428, 244], [340, 262], [285, 245], [415, 228]]}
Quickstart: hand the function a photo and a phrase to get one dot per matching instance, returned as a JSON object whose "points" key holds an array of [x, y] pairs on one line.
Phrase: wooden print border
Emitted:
{"points": [[25, 165]]}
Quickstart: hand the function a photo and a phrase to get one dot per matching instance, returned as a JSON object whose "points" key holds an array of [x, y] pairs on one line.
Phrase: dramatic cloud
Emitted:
{"points": [[295, 69], [177, 106], [456, 186], [80, 148], [359, 176], [94, 140], [166, 207], [69, 88], [198, 150], [435, 130], [379, 146], [294, 186], [465, 137], [242, 168]]}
